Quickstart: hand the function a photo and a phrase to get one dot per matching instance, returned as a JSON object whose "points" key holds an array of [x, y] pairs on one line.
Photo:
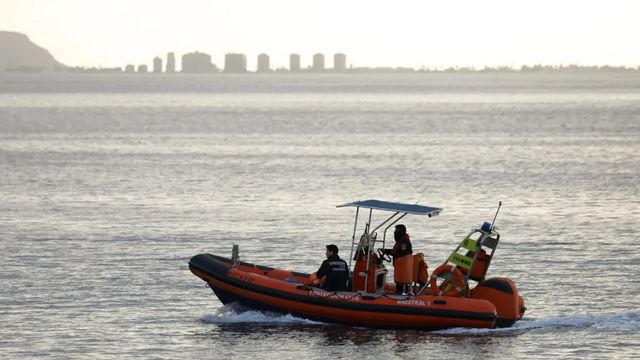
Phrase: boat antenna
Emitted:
{"points": [[496, 215]]}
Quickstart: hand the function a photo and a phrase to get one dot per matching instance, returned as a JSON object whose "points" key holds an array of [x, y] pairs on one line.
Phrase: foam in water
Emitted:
{"points": [[236, 314], [626, 321]]}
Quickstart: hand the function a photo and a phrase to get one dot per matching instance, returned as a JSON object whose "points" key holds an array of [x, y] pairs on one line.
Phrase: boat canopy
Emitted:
{"points": [[394, 206]]}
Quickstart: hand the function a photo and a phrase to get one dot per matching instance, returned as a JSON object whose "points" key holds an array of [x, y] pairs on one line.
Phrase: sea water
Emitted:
{"points": [[110, 183]]}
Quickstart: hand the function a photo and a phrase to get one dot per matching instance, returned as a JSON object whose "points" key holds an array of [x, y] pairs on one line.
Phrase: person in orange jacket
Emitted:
{"points": [[401, 248]]}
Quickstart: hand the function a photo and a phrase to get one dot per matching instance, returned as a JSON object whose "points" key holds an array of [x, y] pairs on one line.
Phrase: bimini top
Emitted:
{"points": [[394, 206]]}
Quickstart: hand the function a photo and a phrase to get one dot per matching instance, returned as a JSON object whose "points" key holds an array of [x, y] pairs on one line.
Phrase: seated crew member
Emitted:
{"points": [[334, 270], [401, 248]]}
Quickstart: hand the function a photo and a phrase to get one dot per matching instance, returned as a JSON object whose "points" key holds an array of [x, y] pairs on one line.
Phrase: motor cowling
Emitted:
{"points": [[502, 292]]}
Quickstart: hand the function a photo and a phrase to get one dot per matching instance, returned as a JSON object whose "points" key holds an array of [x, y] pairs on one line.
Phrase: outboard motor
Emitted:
{"points": [[503, 294]]}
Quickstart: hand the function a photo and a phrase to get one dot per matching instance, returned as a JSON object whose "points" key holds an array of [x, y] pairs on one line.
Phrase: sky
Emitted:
{"points": [[421, 33]]}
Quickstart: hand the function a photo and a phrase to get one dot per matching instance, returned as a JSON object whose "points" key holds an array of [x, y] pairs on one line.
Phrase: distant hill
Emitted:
{"points": [[18, 53]]}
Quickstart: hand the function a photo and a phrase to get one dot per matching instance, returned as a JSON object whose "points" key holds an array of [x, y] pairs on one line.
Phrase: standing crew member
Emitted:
{"points": [[401, 249], [334, 270]]}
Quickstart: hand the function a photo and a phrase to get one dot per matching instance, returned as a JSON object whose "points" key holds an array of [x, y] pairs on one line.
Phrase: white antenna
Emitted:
{"points": [[494, 218]]}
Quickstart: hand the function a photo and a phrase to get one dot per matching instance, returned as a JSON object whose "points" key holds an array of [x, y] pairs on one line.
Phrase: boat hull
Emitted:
{"points": [[265, 288]]}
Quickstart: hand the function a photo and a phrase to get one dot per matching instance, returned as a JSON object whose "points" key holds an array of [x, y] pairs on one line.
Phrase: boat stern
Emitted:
{"points": [[503, 294]]}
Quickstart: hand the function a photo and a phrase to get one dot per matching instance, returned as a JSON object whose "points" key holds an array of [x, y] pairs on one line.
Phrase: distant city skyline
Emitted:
{"points": [[412, 33], [19, 54], [199, 62]]}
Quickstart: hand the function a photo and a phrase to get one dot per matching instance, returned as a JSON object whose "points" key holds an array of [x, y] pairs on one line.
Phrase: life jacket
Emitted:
{"points": [[402, 247], [420, 274]]}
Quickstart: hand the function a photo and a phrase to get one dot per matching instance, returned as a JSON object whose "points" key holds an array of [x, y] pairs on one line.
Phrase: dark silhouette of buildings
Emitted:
{"points": [[157, 65], [171, 63], [340, 62], [197, 63], [318, 62], [263, 63], [19, 54], [235, 63], [294, 63]]}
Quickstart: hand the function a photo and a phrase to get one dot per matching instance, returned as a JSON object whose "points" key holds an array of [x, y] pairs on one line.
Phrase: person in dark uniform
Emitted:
{"points": [[401, 248], [334, 270]]}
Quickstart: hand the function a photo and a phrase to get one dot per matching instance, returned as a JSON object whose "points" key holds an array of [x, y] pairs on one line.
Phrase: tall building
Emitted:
{"points": [[171, 62], [130, 68], [318, 62], [157, 65], [263, 63], [235, 63], [197, 63], [143, 69], [294, 63], [340, 62]]}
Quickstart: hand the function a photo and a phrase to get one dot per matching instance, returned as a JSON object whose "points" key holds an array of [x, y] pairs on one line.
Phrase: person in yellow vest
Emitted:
{"points": [[402, 259]]}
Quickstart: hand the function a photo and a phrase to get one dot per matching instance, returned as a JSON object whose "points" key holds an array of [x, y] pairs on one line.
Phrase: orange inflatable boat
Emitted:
{"points": [[455, 295]]}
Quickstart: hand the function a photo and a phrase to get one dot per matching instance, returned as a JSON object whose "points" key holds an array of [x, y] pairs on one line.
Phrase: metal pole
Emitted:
{"points": [[390, 217], [353, 237], [235, 255], [384, 236], [368, 235], [366, 270], [496, 215]]}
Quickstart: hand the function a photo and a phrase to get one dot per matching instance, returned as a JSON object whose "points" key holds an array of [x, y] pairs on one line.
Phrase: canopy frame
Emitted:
{"points": [[400, 210]]}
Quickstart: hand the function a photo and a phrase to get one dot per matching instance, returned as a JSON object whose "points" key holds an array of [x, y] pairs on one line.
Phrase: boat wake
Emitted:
{"points": [[236, 314], [625, 321]]}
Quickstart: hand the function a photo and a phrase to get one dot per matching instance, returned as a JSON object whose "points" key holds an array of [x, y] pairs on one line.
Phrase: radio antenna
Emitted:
{"points": [[496, 215]]}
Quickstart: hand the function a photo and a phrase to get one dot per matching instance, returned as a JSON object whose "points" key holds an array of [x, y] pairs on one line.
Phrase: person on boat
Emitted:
{"points": [[334, 270], [400, 252]]}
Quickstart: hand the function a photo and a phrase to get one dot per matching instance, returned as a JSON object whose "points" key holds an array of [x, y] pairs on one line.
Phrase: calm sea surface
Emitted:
{"points": [[109, 184]]}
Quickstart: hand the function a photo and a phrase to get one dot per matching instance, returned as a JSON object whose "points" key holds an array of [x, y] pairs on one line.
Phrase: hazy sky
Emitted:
{"points": [[371, 33]]}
